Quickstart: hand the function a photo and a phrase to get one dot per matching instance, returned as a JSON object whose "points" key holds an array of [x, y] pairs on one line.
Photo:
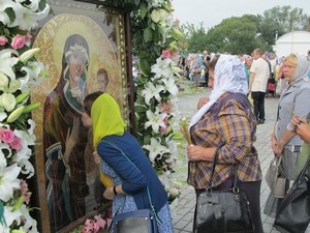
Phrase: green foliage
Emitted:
{"points": [[239, 35]]}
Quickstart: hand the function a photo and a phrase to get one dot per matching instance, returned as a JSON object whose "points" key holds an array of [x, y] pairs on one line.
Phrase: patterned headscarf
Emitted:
{"points": [[302, 69], [229, 76], [106, 118]]}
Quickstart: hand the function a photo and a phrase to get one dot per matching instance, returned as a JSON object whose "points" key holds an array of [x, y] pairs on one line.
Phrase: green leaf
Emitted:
{"points": [[144, 66], [143, 10], [137, 2], [147, 35], [11, 14]]}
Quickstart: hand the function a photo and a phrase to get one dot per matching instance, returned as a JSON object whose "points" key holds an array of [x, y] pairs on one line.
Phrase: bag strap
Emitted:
{"points": [[148, 191], [235, 188]]}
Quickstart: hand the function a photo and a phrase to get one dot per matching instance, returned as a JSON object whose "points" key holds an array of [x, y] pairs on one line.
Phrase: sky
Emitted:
{"points": [[211, 13]]}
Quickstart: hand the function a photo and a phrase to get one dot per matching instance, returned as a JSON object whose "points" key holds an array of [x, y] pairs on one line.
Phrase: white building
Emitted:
{"points": [[293, 42]]}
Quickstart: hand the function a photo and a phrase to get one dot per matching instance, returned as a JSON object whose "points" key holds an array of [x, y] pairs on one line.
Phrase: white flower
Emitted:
{"points": [[157, 3], [165, 68], [155, 149], [8, 101], [170, 86], [151, 91], [155, 16], [11, 215], [4, 18], [162, 15], [155, 120], [3, 115], [8, 153], [27, 219], [7, 62], [4, 81], [14, 86], [26, 17], [9, 182]]}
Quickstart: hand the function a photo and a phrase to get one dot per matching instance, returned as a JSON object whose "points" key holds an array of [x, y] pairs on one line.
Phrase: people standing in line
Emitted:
{"points": [[124, 160], [227, 119], [259, 75]]}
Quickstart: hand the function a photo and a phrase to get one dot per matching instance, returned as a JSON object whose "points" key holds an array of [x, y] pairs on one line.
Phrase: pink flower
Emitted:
{"points": [[16, 143], [166, 54], [27, 197], [7, 136], [18, 41], [3, 40], [23, 187], [100, 221]]}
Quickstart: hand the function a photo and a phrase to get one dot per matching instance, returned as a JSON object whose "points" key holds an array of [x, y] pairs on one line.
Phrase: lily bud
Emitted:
{"points": [[31, 107], [21, 97], [28, 54], [15, 114]]}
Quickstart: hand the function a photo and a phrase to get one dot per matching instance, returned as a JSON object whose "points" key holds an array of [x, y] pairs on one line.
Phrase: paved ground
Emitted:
{"points": [[184, 210]]}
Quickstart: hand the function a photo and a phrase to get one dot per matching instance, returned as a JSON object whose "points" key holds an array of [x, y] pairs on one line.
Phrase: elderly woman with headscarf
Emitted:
{"points": [[292, 103], [226, 119], [123, 159]]}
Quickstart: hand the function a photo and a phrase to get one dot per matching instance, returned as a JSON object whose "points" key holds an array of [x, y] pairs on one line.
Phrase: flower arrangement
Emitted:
{"points": [[156, 105], [19, 70]]}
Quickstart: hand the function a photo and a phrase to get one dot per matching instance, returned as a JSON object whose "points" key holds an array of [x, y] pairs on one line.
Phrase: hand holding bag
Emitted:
{"points": [[293, 215], [223, 212], [274, 178]]}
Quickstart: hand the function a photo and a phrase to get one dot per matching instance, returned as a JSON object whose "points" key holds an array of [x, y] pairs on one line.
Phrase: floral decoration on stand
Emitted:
{"points": [[19, 70], [156, 105]]}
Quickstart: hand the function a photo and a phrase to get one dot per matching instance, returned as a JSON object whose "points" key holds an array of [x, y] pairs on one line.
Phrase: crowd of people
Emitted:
{"points": [[224, 119]]}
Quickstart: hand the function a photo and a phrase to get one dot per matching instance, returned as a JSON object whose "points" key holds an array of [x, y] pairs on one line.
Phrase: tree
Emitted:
{"points": [[280, 20]]}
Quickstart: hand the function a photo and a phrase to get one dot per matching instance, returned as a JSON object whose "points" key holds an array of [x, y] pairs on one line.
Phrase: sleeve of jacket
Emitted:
{"points": [[133, 180]]}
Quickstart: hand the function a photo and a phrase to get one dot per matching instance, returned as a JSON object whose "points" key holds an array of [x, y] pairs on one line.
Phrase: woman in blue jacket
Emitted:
{"points": [[125, 162]]}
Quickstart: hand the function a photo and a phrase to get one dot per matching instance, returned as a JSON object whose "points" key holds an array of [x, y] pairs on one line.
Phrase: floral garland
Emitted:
{"points": [[157, 116], [19, 70]]}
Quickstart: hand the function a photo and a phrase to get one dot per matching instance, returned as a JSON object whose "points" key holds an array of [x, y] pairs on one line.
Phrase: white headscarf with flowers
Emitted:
{"points": [[229, 76]]}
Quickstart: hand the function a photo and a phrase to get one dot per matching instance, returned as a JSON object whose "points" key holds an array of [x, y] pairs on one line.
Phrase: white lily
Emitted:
{"points": [[170, 86], [155, 120], [4, 18], [3, 115], [155, 149], [9, 182], [162, 68], [7, 62], [151, 91], [4, 156], [27, 17], [26, 218], [11, 215]]}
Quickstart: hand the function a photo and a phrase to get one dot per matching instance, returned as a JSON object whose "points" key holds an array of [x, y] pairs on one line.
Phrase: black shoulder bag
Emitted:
{"points": [[293, 215], [223, 211]]}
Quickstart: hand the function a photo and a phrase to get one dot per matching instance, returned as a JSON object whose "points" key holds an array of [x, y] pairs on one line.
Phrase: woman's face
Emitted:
{"points": [[289, 70], [86, 120], [77, 63], [211, 78]]}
